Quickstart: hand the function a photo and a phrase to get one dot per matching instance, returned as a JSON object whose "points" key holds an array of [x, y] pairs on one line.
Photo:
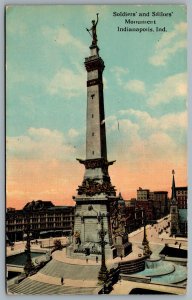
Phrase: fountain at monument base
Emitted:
{"points": [[160, 271]]}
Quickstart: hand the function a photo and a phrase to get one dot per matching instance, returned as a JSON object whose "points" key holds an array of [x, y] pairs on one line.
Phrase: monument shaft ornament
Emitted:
{"points": [[96, 195]]}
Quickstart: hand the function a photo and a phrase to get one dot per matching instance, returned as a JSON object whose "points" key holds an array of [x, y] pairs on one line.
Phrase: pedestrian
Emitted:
{"points": [[62, 280], [87, 260], [121, 256], [96, 259]]}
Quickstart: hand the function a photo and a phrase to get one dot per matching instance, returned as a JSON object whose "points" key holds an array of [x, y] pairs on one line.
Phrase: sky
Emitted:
{"points": [[145, 94]]}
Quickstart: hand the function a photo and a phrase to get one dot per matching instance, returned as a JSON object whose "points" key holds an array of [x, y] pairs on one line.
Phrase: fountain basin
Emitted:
{"points": [[164, 272]]}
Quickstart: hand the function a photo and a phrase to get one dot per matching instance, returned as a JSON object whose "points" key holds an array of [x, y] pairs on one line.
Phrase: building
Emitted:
{"points": [[160, 203], [148, 209], [142, 194], [130, 202], [45, 218], [181, 196], [154, 204], [134, 218]]}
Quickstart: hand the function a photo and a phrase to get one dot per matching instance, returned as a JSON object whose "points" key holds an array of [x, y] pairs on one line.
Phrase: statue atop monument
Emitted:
{"points": [[93, 31]]}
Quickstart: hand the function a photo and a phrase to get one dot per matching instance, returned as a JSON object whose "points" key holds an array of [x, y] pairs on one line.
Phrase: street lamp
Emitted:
{"points": [[29, 264], [146, 249], [103, 273], [50, 238]]}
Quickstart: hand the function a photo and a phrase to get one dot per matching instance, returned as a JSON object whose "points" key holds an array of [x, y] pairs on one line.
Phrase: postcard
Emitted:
{"points": [[96, 149]]}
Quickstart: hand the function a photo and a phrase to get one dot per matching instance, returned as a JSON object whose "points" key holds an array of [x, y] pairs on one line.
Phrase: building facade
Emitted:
{"points": [[142, 194], [44, 217], [160, 203], [154, 204], [134, 218], [181, 196]]}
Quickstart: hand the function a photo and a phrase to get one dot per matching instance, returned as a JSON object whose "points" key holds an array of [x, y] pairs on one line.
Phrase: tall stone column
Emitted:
{"points": [[96, 195]]}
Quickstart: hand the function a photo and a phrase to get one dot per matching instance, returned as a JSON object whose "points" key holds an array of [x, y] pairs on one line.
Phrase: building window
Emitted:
{"points": [[93, 152], [92, 133], [92, 116]]}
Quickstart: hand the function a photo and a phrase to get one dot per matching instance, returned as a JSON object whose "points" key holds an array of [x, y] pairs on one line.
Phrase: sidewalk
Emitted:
{"points": [[19, 247], [61, 256]]}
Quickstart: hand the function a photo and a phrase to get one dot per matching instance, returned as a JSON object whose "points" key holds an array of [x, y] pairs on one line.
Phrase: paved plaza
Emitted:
{"points": [[80, 275]]}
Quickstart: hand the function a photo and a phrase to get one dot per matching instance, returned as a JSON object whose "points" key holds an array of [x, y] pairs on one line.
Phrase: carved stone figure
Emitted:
{"points": [[77, 238]]}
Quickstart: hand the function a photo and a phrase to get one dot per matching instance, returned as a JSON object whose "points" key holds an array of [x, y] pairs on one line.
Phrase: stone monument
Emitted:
{"points": [[96, 197]]}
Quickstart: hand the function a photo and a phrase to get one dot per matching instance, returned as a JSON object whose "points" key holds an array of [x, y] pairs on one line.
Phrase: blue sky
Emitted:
{"points": [[145, 91]]}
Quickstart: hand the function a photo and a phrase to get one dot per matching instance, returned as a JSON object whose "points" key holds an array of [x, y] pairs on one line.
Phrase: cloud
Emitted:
{"points": [[164, 92], [33, 179], [143, 139], [174, 121], [73, 133], [114, 123], [171, 121], [169, 44], [140, 117], [135, 86], [158, 142], [170, 88], [67, 83], [42, 165], [62, 36], [40, 143], [119, 72]]}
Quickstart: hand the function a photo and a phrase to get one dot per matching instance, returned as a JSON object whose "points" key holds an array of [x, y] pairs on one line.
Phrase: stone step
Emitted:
{"points": [[33, 287], [60, 269]]}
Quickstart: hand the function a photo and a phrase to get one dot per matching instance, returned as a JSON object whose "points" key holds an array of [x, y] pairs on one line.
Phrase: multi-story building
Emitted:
{"points": [[147, 207], [134, 218], [142, 194], [181, 196], [130, 202], [154, 204], [160, 203], [42, 217]]}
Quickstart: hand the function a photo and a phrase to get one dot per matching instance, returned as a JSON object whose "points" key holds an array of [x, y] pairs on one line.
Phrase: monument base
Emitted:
{"points": [[123, 250], [110, 253]]}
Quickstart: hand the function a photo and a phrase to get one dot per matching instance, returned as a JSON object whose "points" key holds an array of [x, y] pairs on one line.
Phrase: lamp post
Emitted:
{"points": [[50, 244], [146, 249], [103, 273], [29, 264]]}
